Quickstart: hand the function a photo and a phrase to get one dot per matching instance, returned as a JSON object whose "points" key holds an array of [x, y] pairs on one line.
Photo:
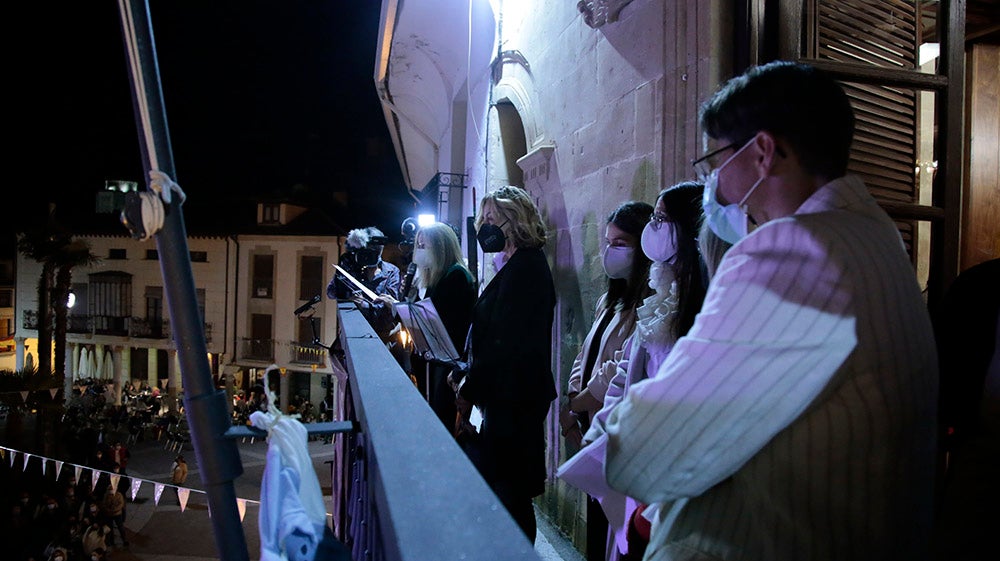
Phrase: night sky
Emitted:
{"points": [[263, 98]]}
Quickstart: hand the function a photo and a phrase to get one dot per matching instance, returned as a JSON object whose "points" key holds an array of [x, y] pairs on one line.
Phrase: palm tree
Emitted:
{"points": [[58, 252], [74, 254]]}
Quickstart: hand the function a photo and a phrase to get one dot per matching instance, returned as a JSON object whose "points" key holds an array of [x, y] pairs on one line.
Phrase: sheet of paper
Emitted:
{"points": [[367, 291], [585, 471]]}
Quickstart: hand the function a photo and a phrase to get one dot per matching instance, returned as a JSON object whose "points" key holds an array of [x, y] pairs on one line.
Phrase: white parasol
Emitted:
{"points": [[82, 370]]}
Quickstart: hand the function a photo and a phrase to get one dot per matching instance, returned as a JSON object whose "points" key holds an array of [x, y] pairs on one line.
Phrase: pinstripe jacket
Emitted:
{"points": [[797, 417]]}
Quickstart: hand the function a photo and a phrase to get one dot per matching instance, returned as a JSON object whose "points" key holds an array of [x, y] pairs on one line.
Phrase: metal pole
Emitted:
{"points": [[218, 458]]}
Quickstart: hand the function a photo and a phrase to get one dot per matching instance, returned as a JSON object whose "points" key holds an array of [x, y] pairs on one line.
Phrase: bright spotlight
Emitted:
{"points": [[425, 219]]}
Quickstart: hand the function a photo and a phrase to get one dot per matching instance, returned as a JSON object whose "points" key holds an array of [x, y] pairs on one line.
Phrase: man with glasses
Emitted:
{"points": [[796, 420]]}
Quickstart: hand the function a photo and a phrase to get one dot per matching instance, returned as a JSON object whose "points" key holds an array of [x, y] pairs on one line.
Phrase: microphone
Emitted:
{"points": [[411, 270], [315, 300]]}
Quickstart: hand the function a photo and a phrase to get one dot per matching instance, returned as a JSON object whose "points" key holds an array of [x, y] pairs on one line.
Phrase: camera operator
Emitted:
{"points": [[363, 261]]}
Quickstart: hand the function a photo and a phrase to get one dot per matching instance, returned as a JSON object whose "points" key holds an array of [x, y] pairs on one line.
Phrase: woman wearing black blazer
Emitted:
{"points": [[510, 354], [443, 278]]}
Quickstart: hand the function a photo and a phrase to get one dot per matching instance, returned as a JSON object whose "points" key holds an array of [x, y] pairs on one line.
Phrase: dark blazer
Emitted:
{"points": [[453, 296], [510, 371]]}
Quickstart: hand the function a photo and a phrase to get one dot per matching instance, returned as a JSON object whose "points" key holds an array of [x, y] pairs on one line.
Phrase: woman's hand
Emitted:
{"points": [[570, 424]]}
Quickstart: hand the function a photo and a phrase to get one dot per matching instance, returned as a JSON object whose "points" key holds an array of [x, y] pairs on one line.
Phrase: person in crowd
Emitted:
{"points": [[509, 352], [120, 455], [796, 419], [113, 509], [670, 241], [178, 474], [58, 554], [627, 271], [443, 278], [99, 554], [95, 537]]}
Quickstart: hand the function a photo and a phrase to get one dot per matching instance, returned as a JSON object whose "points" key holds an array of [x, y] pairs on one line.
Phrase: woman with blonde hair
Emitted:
{"points": [[443, 278], [510, 353]]}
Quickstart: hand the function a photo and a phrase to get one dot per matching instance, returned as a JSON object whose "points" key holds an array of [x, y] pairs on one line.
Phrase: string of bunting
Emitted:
{"points": [[183, 493], [24, 393]]}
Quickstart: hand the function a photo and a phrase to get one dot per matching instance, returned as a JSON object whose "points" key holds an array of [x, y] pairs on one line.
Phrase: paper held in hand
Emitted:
{"points": [[429, 335], [364, 289]]}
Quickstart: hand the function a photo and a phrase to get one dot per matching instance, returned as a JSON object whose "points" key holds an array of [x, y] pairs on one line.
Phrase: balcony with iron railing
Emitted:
{"points": [[136, 327], [249, 348], [307, 353]]}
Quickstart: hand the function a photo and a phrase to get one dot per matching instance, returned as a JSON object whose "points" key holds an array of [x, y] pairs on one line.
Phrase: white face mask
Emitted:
{"points": [[658, 242], [729, 222], [617, 261], [422, 257]]}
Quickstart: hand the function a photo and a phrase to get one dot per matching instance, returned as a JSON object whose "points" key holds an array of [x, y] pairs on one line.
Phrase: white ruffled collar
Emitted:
{"points": [[657, 312]]}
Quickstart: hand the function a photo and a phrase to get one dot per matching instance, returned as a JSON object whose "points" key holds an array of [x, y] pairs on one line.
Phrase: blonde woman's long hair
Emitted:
{"points": [[524, 225], [444, 250]]}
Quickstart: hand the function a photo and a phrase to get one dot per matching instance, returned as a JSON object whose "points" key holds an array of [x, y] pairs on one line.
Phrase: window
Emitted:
{"points": [[311, 280], [110, 301], [199, 256], [152, 255], [6, 298], [270, 214], [116, 253], [154, 311], [263, 275]]}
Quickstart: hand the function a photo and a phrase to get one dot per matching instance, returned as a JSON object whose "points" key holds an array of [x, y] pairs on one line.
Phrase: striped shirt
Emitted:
{"points": [[797, 417]]}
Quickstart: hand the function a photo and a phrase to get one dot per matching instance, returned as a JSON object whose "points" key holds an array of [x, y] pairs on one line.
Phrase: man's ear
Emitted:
{"points": [[768, 152]]}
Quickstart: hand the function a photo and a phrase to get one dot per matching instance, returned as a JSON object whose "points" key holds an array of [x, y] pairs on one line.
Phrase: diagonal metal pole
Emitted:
{"points": [[205, 407]]}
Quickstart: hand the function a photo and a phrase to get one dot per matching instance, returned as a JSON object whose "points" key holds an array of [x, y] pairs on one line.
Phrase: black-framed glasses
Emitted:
{"points": [[704, 165]]}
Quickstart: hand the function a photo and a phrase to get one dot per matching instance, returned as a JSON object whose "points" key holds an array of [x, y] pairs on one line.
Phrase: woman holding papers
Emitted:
{"points": [[627, 270], [443, 278], [670, 241], [510, 354]]}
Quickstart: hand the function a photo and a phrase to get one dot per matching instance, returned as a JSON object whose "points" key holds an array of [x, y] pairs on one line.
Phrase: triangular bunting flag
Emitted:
{"points": [[94, 476], [114, 481], [58, 469], [26, 458], [76, 472], [182, 497], [157, 491], [2, 452], [24, 397], [43, 465], [241, 505], [135, 487], [12, 454], [53, 392]]}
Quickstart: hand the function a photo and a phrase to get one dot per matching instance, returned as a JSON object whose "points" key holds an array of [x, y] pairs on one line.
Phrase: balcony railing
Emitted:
{"points": [[141, 328], [256, 349], [403, 488], [303, 353]]}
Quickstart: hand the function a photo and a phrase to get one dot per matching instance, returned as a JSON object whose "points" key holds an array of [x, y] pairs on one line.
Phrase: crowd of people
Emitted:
{"points": [[761, 377], [66, 519]]}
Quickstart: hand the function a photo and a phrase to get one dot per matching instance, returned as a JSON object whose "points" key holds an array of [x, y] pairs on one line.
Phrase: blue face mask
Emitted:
{"points": [[729, 222]]}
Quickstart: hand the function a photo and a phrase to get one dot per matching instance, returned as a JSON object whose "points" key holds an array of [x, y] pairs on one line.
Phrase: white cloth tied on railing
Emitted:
{"points": [[292, 519]]}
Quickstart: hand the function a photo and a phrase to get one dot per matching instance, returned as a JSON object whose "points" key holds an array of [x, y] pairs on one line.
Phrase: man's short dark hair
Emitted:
{"points": [[793, 101]]}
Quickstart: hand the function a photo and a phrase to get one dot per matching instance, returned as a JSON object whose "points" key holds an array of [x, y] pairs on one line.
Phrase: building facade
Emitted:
{"points": [[247, 286]]}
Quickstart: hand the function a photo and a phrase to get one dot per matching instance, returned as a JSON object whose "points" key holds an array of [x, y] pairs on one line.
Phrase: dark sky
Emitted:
{"points": [[269, 98]]}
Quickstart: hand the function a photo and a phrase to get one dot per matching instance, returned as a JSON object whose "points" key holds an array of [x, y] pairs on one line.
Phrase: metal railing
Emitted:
{"points": [[403, 488], [255, 349]]}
